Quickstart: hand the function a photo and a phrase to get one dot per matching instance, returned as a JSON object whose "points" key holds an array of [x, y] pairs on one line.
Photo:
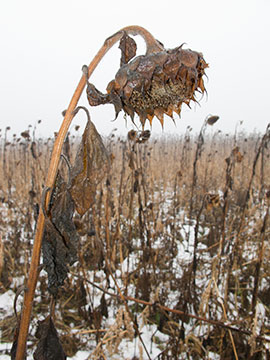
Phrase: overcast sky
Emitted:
{"points": [[45, 43]]}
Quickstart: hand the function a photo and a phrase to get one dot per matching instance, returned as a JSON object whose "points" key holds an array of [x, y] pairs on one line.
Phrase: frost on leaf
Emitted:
{"points": [[91, 164], [60, 239], [49, 346]]}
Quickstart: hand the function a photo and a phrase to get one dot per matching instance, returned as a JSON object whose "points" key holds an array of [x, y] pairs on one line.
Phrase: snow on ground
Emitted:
{"points": [[4, 348], [6, 303], [127, 348], [81, 355]]}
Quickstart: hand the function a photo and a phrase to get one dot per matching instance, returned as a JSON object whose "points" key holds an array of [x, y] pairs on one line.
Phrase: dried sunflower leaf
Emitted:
{"points": [[60, 239], [54, 257], [49, 346], [94, 96], [91, 163], [128, 48], [62, 217]]}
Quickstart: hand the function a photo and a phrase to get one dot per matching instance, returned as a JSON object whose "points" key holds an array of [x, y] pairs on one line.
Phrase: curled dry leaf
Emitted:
{"points": [[128, 48], [60, 239], [49, 346], [54, 257], [154, 84], [62, 217], [91, 163]]}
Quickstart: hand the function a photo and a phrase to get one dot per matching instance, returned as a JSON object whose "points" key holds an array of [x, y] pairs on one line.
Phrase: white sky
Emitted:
{"points": [[45, 43]]}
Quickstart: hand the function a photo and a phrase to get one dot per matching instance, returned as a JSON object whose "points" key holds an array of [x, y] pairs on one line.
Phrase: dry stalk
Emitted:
{"points": [[234, 257], [127, 309], [255, 161], [198, 154], [196, 240], [228, 186], [114, 335], [1, 255], [225, 316], [257, 277], [252, 340]]}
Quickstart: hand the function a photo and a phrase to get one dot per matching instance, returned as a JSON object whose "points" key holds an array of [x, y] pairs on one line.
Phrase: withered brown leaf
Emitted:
{"points": [[60, 239], [49, 346], [91, 164], [62, 217], [128, 48], [54, 257]]}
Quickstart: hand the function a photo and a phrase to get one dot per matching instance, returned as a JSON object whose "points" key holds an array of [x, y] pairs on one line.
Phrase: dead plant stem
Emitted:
{"points": [[121, 295]]}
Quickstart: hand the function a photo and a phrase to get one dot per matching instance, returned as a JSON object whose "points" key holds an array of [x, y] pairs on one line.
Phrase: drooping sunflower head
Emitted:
{"points": [[154, 84]]}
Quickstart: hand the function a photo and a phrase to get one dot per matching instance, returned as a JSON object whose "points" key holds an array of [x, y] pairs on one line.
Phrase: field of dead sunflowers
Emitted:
{"points": [[152, 247]]}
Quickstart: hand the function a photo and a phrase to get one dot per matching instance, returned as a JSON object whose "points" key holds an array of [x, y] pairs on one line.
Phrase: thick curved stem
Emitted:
{"points": [[152, 45]]}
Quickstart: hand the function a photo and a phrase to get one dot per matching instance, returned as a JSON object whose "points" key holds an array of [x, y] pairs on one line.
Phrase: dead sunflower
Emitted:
{"points": [[154, 84]]}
